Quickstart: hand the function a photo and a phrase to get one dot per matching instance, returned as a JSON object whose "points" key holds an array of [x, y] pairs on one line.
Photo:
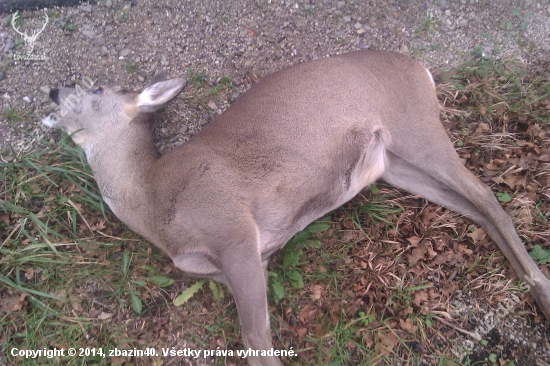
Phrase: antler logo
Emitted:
{"points": [[29, 40]]}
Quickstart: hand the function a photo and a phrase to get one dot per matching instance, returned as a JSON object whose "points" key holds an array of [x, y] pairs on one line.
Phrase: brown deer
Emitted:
{"points": [[301, 142]]}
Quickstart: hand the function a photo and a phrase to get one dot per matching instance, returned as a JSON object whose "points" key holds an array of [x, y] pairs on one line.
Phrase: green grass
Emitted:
{"points": [[68, 27], [50, 250], [201, 92], [309, 10], [499, 92], [197, 79], [131, 68], [223, 85], [12, 114], [427, 25]]}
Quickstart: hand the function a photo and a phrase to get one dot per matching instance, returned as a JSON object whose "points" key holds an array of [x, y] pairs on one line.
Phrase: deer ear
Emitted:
{"points": [[156, 95]]}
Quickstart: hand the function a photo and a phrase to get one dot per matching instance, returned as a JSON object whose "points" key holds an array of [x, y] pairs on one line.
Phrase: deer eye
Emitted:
{"points": [[98, 90]]}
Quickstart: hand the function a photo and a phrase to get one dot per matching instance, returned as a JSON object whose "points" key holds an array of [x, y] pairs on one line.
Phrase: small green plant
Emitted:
{"points": [[510, 27], [225, 81], [223, 85], [503, 197], [18, 43], [68, 27], [309, 10], [131, 67], [427, 25], [293, 253], [540, 215], [478, 52], [12, 115], [374, 211], [428, 319], [540, 255], [215, 288], [196, 79], [506, 90], [121, 16], [128, 285], [505, 25], [365, 319]]}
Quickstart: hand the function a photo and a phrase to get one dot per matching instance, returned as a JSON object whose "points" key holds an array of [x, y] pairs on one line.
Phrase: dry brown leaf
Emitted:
{"points": [[499, 111], [29, 273], [407, 310], [368, 340], [389, 340], [99, 226], [307, 313], [440, 259], [463, 249], [335, 312], [62, 293], [482, 128], [545, 158], [419, 297], [414, 240], [493, 165], [5, 218], [316, 291], [477, 235], [212, 105], [431, 253], [249, 31], [301, 332], [428, 216], [417, 253], [12, 303], [76, 306], [433, 294], [407, 326], [105, 316], [515, 181]]}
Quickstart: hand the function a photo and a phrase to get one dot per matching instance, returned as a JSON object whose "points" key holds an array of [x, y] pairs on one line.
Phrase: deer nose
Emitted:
{"points": [[54, 95]]}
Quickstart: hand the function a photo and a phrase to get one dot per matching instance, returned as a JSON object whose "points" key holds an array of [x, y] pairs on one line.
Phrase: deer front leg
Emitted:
{"points": [[244, 274]]}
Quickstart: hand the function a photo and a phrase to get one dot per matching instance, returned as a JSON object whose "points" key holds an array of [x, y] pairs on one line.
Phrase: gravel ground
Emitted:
{"points": [[127, 42]]}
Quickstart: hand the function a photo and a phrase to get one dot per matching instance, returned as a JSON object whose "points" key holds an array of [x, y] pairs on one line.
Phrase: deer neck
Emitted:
{"points": [[121, 170]]}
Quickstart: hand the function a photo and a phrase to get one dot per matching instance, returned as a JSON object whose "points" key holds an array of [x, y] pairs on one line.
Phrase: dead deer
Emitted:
{"points": [[298, 144]]}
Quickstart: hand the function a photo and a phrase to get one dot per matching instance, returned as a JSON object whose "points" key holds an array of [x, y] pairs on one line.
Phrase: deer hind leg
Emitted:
{"points": [[451, 185]]}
